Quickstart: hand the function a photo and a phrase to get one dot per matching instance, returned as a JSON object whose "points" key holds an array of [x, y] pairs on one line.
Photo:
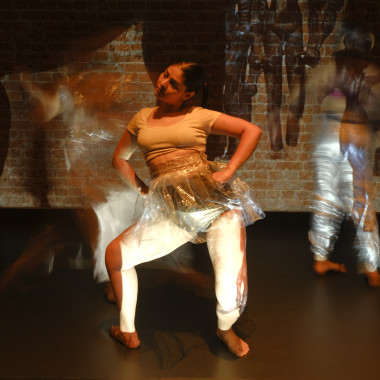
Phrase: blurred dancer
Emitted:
{"points": [[343, 156], [92, 107], [189, 198]]}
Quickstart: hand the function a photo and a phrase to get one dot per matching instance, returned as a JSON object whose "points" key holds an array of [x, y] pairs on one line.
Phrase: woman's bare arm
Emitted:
{"points": [[249, 135], [124, 150]]}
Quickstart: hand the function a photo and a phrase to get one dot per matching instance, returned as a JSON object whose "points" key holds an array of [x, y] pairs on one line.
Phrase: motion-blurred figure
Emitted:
{"points": [[92, 107], [343, 156]]}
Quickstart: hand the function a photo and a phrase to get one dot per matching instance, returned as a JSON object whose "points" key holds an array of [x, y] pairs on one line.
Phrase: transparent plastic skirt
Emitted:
{"points": [[184, 200]]}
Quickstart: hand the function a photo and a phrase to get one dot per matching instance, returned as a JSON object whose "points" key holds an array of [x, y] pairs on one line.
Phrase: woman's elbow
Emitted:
{"points": [[256, 131], [259, 131], [116, 161]]}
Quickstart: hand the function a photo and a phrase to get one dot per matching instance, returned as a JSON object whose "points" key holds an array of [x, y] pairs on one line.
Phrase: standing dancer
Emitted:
{"points": [[343, 156], [189, 198]]}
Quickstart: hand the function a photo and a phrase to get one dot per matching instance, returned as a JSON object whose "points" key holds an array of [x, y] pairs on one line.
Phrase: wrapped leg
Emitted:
{"points": [[332, 190], [324, 233], [368, 246], [127, 250], [226, 244]]}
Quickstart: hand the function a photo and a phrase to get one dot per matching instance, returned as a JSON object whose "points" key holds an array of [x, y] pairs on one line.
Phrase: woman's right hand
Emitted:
{"points": [[223, 176], [143, 189]]}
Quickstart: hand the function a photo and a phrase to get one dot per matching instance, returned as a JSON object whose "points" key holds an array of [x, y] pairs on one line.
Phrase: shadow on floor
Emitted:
{"points": [[299, 326]]}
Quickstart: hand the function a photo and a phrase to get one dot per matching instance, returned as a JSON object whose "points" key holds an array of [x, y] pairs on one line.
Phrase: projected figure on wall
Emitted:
{"points": [[242, 35], [321, 22], [237, 101], [258, 36], [283, 38], [343, 156]]}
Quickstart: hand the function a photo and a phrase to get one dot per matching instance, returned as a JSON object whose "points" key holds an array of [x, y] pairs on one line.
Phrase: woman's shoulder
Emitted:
{"points": [[198, 108], [145, 112], [142, 115], [201, 110], [204, 117], [139, 119]]}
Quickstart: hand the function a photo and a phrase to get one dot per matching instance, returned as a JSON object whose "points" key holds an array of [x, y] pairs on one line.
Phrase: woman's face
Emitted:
{"points": [[170, 87]]}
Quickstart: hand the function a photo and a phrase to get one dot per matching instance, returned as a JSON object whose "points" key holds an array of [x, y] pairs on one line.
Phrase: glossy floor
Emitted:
{"points": [[299, 326]]}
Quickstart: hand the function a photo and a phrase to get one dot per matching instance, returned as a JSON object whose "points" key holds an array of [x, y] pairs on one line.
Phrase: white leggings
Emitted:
{"points": [[226, 244]]}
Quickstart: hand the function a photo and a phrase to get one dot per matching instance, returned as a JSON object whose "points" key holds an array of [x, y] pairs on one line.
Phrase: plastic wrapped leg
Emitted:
{"points": [[323, 234], [356, 146], [368, 244], [332, 196], [368, 247], [226, 245], [343, 187]]}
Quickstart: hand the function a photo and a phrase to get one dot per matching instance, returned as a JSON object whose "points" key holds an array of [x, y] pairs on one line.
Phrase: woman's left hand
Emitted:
{"points": [[223, 175]]}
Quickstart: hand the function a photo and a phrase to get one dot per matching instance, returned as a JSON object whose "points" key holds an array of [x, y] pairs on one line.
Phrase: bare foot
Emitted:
{"points": [[373, 278], [235, 344], [131, 340], [322, 267], [108, 291]]}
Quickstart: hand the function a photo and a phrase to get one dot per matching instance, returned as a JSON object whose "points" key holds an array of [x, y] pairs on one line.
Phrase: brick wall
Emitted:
{"points": [[73, 73]]}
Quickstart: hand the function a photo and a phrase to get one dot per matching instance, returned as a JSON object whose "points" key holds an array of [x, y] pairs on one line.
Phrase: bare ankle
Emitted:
{"points": [[109, 293], [128, 339], [373, 278], [235, 344], [324, 266]]}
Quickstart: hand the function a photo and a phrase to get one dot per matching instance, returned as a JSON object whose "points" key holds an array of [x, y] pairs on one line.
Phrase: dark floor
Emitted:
{"points": [[299, 326]]}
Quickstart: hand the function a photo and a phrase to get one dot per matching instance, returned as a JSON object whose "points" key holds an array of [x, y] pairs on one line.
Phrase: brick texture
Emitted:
{"points": [[73, 73]]}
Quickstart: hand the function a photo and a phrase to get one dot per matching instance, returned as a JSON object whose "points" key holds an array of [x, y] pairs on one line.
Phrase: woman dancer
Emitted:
{"points": [[189, 199], [343, 156]]}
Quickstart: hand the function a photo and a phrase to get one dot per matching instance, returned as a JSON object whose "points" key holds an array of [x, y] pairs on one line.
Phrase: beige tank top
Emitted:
{"points": [[189, 133]]}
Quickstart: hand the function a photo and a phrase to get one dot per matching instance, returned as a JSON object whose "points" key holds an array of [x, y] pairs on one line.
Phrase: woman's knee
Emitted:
{"points": [[113, 256], [229, 222], [232, 216]]}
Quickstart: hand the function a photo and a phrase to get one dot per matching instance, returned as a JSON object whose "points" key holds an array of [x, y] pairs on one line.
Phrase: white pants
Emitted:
{"points": [[226, 243]]}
